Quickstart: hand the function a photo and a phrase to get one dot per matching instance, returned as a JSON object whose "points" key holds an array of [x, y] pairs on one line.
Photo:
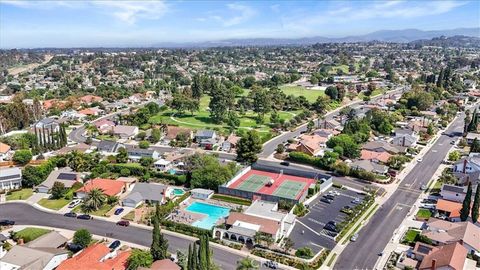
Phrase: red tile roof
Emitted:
{"points": [[108, 186], [448, 206], [449, 256], [90, 258]]}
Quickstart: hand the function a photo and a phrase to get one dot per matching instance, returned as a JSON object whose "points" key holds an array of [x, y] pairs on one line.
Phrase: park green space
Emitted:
{"points": [[201, 119], [310, 94], [21, 194], [53, 204]]}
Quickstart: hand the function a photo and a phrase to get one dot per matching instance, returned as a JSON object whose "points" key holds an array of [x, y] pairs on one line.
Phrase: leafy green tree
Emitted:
{"points": [[146, 161], [122, 155], [31, 176], [262, 103], [321, 104], [247, 264], [159, 245], [280, 148], [144, 144], [233, 121], [95, 199], [204, 171], [472, 126], [139, 258], [58, 190], [82, 237], [156, 135], [182, 260], [288, 244], [221, 101], [476, 205], [248, 147], [332, 92], [475, 147], [22, 157], [350, 147], [465, 211], [454, 156]]}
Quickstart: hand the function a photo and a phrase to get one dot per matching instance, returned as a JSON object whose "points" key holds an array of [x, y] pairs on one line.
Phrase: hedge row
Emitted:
{"points": [[185, 229], [231, 199], [280, 258]]}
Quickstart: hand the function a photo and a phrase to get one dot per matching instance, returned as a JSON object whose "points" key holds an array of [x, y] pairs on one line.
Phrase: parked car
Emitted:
{"points": [[356, 201], [7, 222], [330, 227], [330, 196], [419, 159], [70, 214], [118, 211], [124, 223], [114, 245], [285, 163], [85, 217], [423, 187], [271, 264], [74, 203], [354, 237], [325, 200], [74, 247]]}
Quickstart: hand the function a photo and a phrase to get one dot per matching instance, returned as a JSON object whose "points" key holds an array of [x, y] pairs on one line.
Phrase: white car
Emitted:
{"points": [[74, 203], [419, 159]]}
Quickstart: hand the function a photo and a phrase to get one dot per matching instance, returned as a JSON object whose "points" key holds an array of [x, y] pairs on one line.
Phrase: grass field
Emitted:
{"points": [[202, 120], [53, 204], [310, 95], [410, 236], [424, 214], [22, 194], [29, 234]]}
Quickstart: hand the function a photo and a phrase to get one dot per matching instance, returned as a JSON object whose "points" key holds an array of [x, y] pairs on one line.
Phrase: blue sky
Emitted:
{"points": [[28, 24]]}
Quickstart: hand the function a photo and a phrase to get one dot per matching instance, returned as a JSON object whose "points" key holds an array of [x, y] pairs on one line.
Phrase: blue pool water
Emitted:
{"points": [[178, 192], [213, 212]]}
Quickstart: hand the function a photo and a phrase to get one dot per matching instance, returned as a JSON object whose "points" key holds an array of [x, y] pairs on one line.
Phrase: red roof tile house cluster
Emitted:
{"points": [[98, 257], [108, 186]]}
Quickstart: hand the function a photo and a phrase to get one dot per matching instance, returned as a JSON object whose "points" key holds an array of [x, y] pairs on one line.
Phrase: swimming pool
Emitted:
{"points": [[213, 212], [178, 192]]}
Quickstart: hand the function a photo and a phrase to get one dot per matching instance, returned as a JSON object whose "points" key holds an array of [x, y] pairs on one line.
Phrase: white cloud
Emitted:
{"points": [[242, 14], [126, 11]]}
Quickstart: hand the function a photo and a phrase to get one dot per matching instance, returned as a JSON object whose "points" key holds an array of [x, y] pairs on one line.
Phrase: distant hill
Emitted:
{"points": [[398, 36], [455, 41]]}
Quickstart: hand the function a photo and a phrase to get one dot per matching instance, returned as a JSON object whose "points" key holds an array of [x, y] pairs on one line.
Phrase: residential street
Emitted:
{"points": [[380, 229], [24, 214]]}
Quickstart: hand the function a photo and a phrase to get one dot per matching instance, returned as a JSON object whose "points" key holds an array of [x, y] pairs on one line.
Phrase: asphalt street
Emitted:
{"points": [[24, 214], [373, 237]]}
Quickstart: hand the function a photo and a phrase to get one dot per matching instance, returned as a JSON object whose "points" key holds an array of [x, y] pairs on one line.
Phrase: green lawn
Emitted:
{"points": [[22, 194], [100, 212], [310, 95], [344, 68], [53, 204], [424, 214], [202, 120], [30, 234], [410, 236]]}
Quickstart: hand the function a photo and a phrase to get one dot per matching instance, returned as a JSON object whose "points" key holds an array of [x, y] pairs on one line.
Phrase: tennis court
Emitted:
{"points": [[289, 189], [254, 182]]}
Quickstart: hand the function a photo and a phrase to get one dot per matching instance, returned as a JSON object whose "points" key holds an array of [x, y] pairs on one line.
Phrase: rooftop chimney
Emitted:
{"points": [[434, 264]]}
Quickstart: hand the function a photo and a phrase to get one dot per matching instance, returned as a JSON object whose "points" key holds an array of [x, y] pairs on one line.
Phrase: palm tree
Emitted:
{"points": [[95, 199], [247, 264]]}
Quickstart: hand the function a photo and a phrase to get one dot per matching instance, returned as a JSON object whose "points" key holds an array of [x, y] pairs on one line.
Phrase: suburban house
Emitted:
{"points": [[165, 264], [369, 166], [41, 253], [173, 131], [405, 138], [378, 157], [109, 187], [146, 192], [201, 193], [230, 143], [91, 112], [311, 145], [65, 176], [205, 134], [449, 209], [81, 148], [97, 256], [471, 137], [104, 126], [451, 256], [163, 165], [47, 124], [135, 153], [108, 147], [10, 178], [72, 115], [269, 210], [469, 164], [125, 132], [456, 193], [383, 146], [443, 232], [88, 99], [327, 133], [4, 151], [330, 124]]}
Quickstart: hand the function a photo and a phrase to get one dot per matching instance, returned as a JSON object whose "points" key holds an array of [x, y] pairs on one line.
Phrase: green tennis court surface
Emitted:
{"points": [[289, 189], [254, 182]]}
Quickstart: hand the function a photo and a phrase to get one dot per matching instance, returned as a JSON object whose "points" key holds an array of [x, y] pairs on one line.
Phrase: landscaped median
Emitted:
{"points": [[354, 217], [298, 263]]}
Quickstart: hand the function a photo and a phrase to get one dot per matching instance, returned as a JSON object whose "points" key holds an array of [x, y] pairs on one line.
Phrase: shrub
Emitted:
{"points": [[304, 252], [82, 237], [231, 199], [22, 157]]}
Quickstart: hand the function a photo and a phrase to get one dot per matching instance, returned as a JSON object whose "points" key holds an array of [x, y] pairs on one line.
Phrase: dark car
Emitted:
{"points": [[85, 217], [325, 200], [7, 222], [118, 211], [331, 226], [115, 244], [70, 214], [124, 223], [330, 196], [285, 163], [74, 247]]}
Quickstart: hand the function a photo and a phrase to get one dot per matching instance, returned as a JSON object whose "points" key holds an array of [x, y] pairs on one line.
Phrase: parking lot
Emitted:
{"points": [[309, 231]]}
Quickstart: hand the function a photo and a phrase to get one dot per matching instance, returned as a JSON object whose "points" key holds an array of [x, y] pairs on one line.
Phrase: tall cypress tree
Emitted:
{"points": [[476, 205], [465, 211], [194, 258], [202, 257], [45, 143], [474, 122], [189, 258], [64, 136], [155, 247]]}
